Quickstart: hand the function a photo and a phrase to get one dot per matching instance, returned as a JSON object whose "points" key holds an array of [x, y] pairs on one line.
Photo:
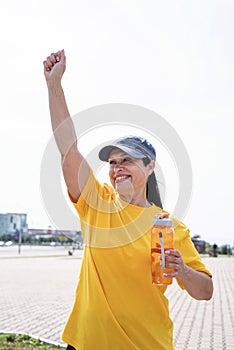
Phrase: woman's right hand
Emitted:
{"points": [[54, 67]]}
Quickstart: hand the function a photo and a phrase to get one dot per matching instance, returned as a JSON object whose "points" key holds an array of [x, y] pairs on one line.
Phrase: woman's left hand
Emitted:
{"points": [[197, 283], [173, 260]]}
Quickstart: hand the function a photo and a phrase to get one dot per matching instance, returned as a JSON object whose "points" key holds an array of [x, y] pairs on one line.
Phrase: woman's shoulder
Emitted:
{"points": [[109, 190], [93, 185], [181, 229]]}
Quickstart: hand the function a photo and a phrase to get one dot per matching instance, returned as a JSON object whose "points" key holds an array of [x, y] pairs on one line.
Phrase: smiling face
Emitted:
{"points": [[129, 175]]}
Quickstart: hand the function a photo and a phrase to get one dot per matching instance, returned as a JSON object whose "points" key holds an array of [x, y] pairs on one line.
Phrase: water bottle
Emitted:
{"points": [[162, 239]]}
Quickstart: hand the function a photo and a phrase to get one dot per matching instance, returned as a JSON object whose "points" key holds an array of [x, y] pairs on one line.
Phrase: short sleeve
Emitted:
{"points": [[94, 195], [190, 256]]}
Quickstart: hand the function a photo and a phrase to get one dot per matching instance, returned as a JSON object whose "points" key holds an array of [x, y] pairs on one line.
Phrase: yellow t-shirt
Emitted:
{"points": [[116, 305]]}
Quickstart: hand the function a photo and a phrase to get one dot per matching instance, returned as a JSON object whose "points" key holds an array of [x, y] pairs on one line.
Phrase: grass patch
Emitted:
{"points": [[24, 342]]}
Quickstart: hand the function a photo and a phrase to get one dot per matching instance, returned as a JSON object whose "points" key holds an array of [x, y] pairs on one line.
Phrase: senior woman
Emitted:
{"points": [[116, 305]]}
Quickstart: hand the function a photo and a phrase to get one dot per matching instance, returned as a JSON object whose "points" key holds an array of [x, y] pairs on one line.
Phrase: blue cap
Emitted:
{"points": [[135, 146]]}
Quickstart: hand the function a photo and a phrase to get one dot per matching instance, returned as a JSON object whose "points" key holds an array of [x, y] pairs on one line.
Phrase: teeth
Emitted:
{"points": [[119, 178]]}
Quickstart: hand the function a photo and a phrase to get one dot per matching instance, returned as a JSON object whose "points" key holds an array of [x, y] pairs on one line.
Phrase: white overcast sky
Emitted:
{"points": [[173, 57]]}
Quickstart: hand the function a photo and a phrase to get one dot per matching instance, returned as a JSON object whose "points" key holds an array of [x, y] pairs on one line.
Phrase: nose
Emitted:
{"points": [[118, 167]]}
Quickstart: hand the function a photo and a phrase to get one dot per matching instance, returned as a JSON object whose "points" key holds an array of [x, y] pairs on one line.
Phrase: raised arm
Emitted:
{"points": [[75, 167]]}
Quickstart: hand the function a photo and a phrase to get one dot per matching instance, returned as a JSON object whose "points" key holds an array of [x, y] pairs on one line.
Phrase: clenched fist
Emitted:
{"points": [[54, 67]]}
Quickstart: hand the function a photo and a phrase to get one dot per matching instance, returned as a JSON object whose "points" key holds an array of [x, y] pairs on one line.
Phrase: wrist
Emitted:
{"points": [[184, 273], [54, 84], [55, 87]]}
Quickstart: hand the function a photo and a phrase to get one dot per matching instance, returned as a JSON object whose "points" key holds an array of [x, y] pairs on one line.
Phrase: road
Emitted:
{"points": [[37, 292]]}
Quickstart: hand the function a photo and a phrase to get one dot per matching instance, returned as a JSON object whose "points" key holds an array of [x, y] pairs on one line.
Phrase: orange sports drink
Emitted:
{"points": [[162, 239]]}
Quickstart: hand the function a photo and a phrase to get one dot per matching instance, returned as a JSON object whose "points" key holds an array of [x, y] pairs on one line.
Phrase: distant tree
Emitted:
{"points": [[224, 249]]}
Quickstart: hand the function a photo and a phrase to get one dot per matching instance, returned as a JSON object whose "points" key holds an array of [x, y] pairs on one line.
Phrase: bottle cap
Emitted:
{"points": [[160, 220]]}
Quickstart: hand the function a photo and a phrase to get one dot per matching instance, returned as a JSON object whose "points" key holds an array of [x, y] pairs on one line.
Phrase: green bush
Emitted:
{"points": [[24, 342]]}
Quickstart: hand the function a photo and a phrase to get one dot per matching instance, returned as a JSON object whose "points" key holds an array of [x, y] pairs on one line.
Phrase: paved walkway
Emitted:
{"points": [[37, 290]]}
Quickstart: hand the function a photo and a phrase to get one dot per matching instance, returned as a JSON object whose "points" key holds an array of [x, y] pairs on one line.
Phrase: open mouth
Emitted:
{"points": [[122, 178]]}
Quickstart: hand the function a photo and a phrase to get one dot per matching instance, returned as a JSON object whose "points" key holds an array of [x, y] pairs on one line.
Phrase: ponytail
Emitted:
{"points": [[152, 190]]}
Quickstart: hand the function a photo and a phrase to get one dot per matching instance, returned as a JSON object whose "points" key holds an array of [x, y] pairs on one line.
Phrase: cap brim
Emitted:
{"points": [[105, 152]]}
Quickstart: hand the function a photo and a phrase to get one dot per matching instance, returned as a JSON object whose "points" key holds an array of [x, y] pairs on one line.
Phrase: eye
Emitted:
{"points": [[126, 159], [112, 162]]}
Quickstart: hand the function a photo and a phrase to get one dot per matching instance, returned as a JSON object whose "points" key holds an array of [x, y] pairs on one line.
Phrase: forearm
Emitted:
{"points": [[62, 125], [198, 284]]}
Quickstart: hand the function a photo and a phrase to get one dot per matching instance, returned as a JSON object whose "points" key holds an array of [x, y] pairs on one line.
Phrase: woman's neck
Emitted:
{"points": [[135, 200]]}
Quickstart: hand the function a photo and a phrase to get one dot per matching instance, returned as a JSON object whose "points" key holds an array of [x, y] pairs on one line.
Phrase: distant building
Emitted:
{"points": [[75, 235], [51, 231], [13, 223], [199, 244]]}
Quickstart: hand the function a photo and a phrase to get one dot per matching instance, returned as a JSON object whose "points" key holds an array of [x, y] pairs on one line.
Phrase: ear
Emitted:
{"points": [[150, 167]]}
